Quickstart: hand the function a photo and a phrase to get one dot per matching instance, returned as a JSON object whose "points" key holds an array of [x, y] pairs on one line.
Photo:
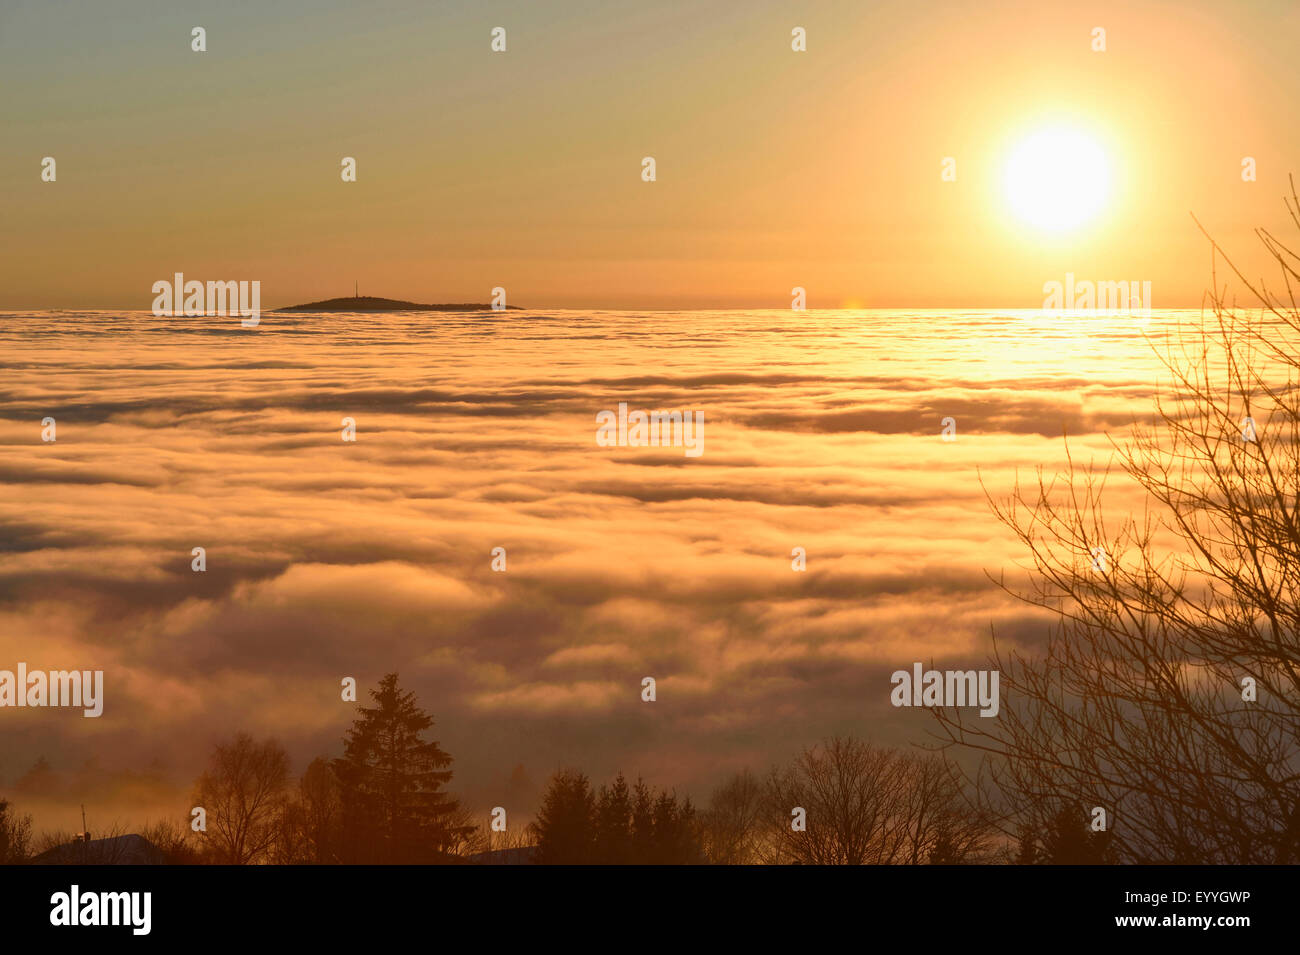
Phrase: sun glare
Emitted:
{"points": [[1056, 179]]}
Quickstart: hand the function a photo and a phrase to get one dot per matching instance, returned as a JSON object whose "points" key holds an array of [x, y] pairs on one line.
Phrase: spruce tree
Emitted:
{"points": [[1069, 840], [614, 824], [394, 808], [565, 825]]}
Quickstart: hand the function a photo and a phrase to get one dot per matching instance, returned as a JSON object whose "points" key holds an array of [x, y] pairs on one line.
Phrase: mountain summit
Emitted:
{"points": [[368, 303]]}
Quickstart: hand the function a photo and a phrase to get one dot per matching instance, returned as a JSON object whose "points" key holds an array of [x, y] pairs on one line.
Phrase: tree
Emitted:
{"points": [[733, 823], [242, 791], [865, 804], [643, 819], [675, 837], [320, 796], [1027, 851], [1070, 841], [613, 824], [943, 826], [174, 840], [1067, 839], [393, 806], [565, 824], [15, 836], [308, 820], [617, 826], [1168, 692]]}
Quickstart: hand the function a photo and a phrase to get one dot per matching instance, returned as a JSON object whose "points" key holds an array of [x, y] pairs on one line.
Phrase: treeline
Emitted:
{"points": [[381, 802], [619, 825], [384, 801], [844, 802]]}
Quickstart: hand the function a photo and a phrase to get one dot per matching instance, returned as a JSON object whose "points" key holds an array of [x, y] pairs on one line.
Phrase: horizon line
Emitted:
{"points": [[617, 308]]}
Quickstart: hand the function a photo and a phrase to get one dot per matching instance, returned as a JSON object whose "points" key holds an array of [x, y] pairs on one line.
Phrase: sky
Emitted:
{"points": [[522, 169]]}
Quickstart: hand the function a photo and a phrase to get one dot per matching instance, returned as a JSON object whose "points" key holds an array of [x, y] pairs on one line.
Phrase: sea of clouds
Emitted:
{"points": [[328, 559]]}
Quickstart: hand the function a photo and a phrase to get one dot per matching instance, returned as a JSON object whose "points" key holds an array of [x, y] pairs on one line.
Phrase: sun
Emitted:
{"points": [[1056, 179]]}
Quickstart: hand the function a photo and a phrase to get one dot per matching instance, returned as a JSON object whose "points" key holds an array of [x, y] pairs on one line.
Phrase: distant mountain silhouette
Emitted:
{"points": [[368, 303]]}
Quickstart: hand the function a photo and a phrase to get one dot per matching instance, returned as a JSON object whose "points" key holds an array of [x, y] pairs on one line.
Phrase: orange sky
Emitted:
{"points": [[522, 169]]}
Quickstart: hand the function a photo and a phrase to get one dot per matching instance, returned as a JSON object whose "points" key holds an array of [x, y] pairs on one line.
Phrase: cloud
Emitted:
{"points": [[328, 559]]}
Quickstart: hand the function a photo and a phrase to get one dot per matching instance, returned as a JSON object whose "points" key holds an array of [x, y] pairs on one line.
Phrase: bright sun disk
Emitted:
{"points": [[1056, 179]]}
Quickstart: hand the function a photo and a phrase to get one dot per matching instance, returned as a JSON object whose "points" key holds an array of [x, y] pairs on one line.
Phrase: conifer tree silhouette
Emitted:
{"points": [[565, 824], [394, 809]]}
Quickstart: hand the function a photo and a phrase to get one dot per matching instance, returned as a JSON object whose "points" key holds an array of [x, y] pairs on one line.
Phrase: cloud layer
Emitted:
{"points": [[328, 559]]}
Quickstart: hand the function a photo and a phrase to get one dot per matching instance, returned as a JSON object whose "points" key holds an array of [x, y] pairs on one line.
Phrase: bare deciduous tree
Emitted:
{"points": [[320, 797], [243, 792], [733, 823], [15, 835], [866, 804], [174, 840], [1168, 693]]}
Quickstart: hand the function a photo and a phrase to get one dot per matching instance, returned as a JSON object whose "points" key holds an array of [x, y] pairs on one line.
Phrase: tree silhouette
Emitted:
{"points": [[867, 804], [643, 819], [393, 806], [732, 825], [565, 827], [1069, 840], [613, 824], [675, 837], [321, 798], [175, 840], [617, 826], [15, 835], [1027, 851], [1170, 684], [242, 792]]}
